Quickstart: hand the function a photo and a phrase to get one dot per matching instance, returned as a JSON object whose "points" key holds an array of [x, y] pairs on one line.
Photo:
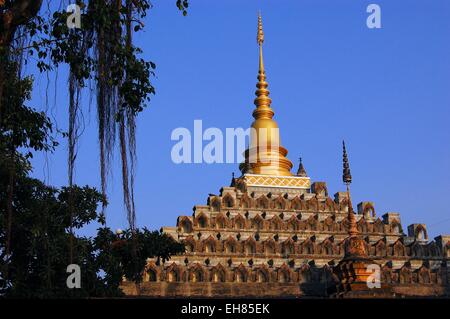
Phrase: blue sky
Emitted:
{"points": [[385, 91]]}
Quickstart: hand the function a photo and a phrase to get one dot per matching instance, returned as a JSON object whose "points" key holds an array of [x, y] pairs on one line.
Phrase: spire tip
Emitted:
{"points": [[346, 174], [260, 34]]}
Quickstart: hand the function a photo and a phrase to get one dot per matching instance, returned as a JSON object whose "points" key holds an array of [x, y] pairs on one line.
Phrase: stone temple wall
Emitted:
{"points": [[282, 242]]}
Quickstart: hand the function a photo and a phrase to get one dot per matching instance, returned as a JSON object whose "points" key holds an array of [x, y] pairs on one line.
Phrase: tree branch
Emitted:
{"points": [[15, 14]]}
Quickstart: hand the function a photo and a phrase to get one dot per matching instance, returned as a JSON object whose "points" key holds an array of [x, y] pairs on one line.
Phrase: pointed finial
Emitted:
{"points": [[347, 179], [352, 227], [301, 169], [233, 181], [262, 100], [260, 35], [346, 175]]}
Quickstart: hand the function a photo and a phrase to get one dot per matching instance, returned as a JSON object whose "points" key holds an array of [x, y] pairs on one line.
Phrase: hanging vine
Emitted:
{"points": [[100, 54]]}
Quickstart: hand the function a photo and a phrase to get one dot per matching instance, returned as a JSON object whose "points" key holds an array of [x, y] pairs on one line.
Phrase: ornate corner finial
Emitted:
{"points": [[346, 175], [301, 169], [260, 35], [347, 179], [233, 180]]}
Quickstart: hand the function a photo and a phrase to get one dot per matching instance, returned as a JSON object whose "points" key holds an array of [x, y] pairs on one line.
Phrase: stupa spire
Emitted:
{"points": [[262, 101], [347, 179], [346, 175], [353, 271], [301, 169], [265, 154]]}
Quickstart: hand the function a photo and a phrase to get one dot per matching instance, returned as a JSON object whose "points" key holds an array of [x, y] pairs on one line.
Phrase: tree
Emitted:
{"points": [[13, 14], [102, 52], [34, 249], [37, 240], [39, 254], [21, 128]]}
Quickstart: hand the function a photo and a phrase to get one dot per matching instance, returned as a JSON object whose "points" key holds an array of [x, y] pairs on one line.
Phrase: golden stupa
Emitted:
{"points": [[265, 155]]}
